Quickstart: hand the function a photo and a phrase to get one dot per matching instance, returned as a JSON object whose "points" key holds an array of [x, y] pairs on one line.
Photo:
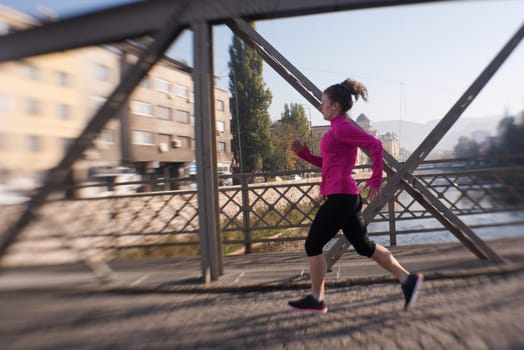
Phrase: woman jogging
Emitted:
{"points": [[341, 210]]}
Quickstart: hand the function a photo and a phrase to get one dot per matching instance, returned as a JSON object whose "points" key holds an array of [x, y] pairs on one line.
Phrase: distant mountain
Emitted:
{"points": [[411, 134]]}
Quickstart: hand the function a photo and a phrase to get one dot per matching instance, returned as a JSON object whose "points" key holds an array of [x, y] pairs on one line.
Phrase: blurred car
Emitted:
{"points": [[295, 177], [225, 181], [9, 197], [275, 179]]}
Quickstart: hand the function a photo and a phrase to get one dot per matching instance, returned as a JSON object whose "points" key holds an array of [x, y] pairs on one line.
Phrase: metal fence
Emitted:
{"points": [[257, 210]]}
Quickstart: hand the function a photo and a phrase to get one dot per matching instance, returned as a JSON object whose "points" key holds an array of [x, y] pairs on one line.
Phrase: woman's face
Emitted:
{"points": [[329, 109]]}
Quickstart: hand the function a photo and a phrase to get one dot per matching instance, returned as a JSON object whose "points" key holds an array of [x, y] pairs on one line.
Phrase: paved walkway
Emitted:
{"points": [[465, 304]]}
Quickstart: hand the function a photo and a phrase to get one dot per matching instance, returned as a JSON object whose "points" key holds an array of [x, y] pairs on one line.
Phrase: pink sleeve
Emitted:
{"points": [[350, 134], [311, 158]]}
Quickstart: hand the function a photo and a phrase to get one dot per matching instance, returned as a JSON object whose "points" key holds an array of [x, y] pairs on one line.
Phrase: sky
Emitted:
{"points": [[416, 60]]}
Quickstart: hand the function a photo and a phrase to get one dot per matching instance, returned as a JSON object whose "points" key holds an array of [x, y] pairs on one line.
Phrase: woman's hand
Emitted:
{"points": [[297, 146], [373, 193]]}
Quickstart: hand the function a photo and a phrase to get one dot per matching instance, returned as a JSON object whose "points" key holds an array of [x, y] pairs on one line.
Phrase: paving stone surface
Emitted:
{"points": [[465, 303], [478, 312]]}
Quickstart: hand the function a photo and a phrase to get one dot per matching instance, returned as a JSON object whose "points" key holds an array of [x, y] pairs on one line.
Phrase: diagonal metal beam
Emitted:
{"points": [[416, 189], [448, 219], [114, 103], [216, 11], [313, 94], [446, 122], [276, 60], [147, 17], [114, 24], [444, 215], [129, 20]]}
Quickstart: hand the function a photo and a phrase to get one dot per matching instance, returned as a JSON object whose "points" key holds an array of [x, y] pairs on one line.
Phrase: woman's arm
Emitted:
{"points": [[353, 135], [302, 150]]}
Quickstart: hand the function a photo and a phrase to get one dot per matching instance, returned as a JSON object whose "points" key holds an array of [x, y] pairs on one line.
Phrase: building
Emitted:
{"points": [[46, 101], [157, 129], [40, 110], [391, 144]]}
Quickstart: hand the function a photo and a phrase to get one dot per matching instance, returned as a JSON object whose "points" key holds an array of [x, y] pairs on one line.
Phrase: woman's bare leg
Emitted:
{"points": [[317, 272], [384, 258]]}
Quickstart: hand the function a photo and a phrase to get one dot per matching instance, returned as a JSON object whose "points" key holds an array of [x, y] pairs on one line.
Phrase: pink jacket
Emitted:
{"points": [[338, 149]]}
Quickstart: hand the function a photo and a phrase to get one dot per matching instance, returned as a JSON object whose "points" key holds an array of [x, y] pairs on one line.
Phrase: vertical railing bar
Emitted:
{"points": [[392, 222], [246, 211]]}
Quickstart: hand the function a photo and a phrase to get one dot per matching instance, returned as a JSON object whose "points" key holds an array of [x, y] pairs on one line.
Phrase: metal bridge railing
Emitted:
{"points": [[255, 209]]}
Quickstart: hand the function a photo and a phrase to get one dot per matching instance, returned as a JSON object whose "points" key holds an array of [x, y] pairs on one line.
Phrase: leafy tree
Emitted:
{"points": [[292, 125], [513, 139], [510, 139], [295, 116], [466, 147], [250, 101], [283, 158]]}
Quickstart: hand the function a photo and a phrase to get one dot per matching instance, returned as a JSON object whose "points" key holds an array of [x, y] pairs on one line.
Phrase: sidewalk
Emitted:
{"points": [[464, 303], [270, 271]]}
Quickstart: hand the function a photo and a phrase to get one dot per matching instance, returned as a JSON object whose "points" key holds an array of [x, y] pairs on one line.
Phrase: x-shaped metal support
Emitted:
{"points": [[143, 18], [55, 177], [400, 175]]}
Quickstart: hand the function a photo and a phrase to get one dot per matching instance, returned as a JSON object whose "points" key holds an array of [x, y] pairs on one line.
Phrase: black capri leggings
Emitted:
{"points": [[340, 211]]}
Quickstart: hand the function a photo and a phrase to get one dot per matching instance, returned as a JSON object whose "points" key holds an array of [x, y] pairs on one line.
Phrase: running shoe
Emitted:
{"points": [[308, 304], [410, 288]]}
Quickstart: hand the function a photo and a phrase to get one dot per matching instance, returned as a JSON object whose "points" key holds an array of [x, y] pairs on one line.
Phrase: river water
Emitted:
{"points": [[501, 229]]}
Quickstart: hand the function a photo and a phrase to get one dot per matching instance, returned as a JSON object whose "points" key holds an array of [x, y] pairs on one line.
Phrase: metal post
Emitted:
{"points": [[392, 166], [240, 160], [244, 187], [206, 154], [392, 223], [123, 115]]}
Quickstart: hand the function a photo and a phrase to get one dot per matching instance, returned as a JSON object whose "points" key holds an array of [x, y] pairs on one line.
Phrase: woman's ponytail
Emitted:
{"points": [[343, 93], [355, 89]]}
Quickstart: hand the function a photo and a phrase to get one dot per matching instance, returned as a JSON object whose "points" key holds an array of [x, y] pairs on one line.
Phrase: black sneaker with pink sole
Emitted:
{"points": [[410, 288]]}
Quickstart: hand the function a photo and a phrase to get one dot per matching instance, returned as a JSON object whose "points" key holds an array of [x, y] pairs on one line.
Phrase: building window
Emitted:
{"points": [[106, 136], [220, 105], [221, 126], [142, 137], [146, 82], [4, 103], [63, 79], [164, 112], [32, 72], [102, 72], [221, 147], [34, 143], [142, 108], [221, 169], [163, 85], [182, 91], [63, 111], [185, 142], [33, 106], [98, 101], [182, 116]]}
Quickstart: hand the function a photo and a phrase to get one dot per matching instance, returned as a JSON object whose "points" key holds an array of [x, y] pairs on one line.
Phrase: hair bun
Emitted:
{"points": [[348, 86], [355, 88]]}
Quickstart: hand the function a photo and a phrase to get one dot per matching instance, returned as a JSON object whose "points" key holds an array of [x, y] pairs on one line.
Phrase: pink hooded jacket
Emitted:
{"points": [[338, 149]]}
